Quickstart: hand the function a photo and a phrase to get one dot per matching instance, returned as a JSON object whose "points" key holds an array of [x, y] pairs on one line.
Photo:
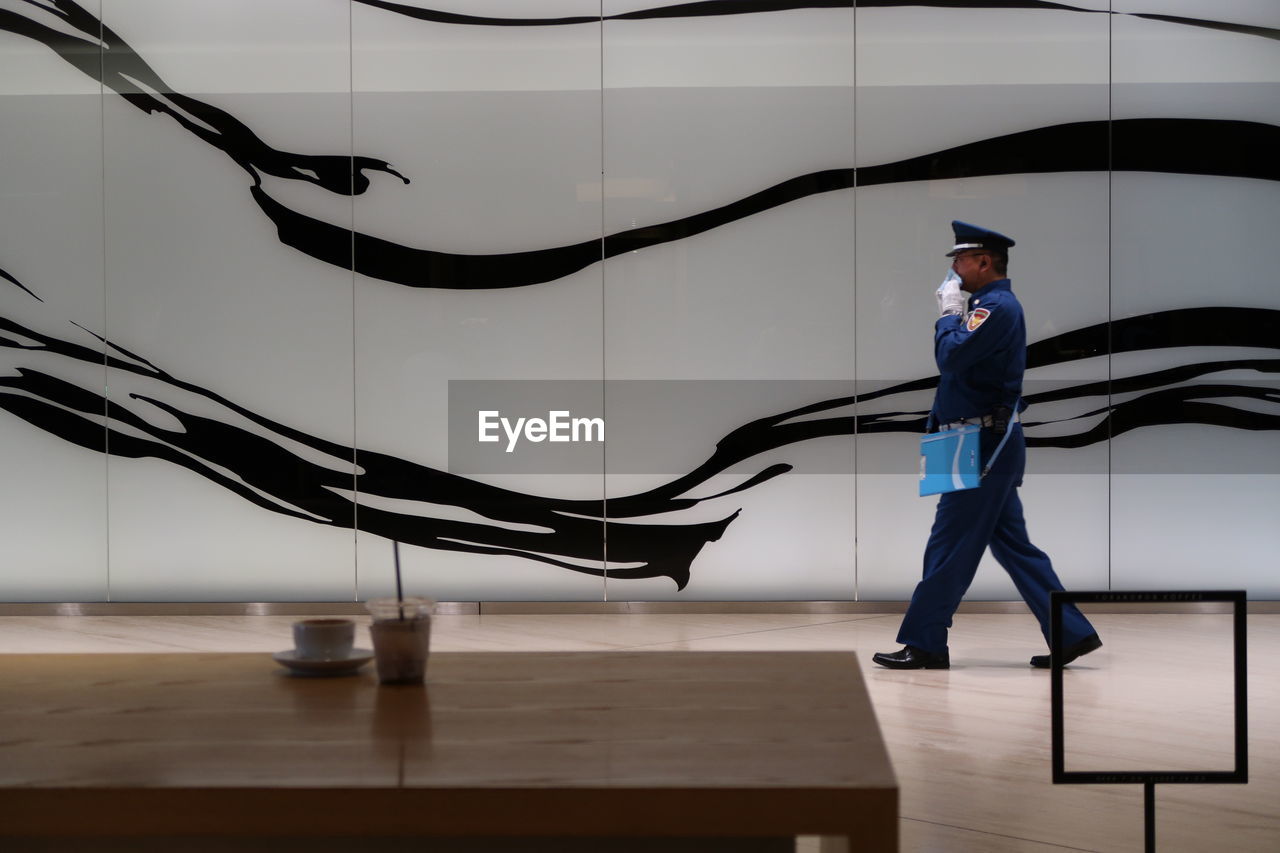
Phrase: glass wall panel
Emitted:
{"points": [[51, 363], [995, 117], [729, 217], [1195, 452], [226, 134], [482, 263]]}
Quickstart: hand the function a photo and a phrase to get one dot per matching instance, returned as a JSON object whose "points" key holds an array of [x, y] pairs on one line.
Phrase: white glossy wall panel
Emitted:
{"points": [[1223, 481], [700, 114], [501, 157], [955, 80], [1192, 500], [199, 284], [54, 541]]}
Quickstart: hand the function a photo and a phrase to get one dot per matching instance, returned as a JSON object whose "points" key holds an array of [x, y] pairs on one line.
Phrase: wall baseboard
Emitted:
{"points": [[535, 608]]}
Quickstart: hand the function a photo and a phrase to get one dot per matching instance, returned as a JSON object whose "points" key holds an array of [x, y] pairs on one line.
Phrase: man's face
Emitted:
{"points": [[972, 268]]}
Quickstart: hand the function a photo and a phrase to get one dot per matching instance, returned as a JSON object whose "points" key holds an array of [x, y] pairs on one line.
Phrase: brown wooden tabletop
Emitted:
{"points": [[564, 744]]}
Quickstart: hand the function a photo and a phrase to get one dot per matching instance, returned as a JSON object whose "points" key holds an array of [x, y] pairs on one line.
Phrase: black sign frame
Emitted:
{"points": [[1240, 775]]}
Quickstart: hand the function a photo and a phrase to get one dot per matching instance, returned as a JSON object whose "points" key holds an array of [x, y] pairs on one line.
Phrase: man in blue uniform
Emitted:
{"points": [[981, 357]]}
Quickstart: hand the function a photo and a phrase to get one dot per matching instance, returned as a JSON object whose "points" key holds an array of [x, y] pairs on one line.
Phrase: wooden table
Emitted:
{"points": [[588, 745]]}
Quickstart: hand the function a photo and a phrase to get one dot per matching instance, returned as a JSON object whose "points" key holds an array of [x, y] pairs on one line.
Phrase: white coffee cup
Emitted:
{"points": [[324, 639]]}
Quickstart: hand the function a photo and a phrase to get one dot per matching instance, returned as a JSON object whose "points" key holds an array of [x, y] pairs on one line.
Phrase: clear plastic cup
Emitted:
{"points": [[401, 633]]}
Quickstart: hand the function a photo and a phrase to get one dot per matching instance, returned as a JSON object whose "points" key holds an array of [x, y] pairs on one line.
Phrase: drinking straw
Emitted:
{"points": [[395, 548]]}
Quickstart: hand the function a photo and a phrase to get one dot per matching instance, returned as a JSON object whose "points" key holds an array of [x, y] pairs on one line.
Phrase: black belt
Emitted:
{"points": [[982, 420]]}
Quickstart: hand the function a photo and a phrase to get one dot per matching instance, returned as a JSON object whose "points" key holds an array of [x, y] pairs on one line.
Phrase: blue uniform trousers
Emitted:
{"points": [[966, 523]]}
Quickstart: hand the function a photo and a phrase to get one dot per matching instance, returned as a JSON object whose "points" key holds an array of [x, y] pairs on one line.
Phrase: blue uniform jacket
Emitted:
{"points": [[981, 355]]}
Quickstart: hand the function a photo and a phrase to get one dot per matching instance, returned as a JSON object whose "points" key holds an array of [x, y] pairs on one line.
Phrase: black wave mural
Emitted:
{"points": [[1185, 146], [291, 472], [723, 8], [106, 57], [52, 378], [275, 467]]}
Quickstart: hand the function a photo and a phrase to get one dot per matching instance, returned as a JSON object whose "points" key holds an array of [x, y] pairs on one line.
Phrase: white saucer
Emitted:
{"points": [[346, 665]]}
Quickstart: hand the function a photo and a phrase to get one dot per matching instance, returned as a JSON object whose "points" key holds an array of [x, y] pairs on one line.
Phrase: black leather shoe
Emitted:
{"points": [[912, 658], [1070, 653]]}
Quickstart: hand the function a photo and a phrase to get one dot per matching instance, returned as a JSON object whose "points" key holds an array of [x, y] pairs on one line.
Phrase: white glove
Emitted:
{"points": [[951, 299]]}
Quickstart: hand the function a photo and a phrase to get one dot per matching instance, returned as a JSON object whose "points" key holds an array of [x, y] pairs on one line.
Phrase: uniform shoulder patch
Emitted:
{"points": [[977, 318]]}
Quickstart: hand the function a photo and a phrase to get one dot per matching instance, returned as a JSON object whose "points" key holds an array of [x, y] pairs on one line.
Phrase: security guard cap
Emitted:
{"points": [[972, 237]]}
